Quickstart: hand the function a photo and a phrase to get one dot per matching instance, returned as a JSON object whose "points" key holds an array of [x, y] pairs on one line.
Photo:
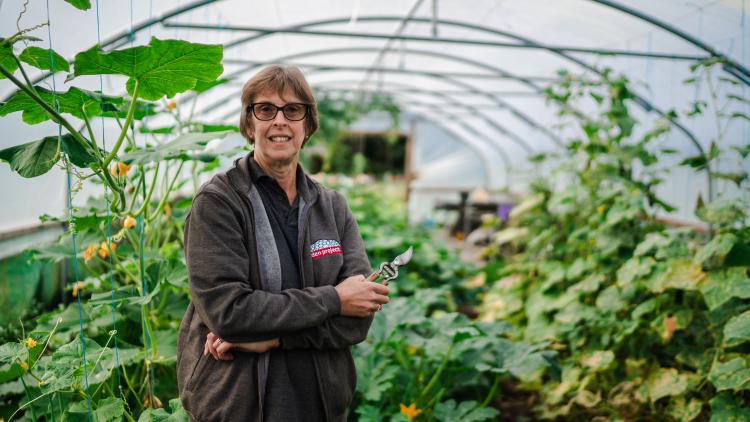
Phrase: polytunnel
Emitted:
{"points": [[508, 103]]}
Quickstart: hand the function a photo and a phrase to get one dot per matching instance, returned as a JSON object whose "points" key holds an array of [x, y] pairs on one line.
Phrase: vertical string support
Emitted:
{"points": [[109, 229], [71, 221]]}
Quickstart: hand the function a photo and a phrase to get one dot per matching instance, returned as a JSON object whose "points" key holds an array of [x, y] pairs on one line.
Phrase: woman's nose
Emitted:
{"points": [[280, 119]]}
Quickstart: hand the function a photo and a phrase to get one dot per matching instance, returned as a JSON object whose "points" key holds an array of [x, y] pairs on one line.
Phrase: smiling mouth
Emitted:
{"points": [[280, 139]]}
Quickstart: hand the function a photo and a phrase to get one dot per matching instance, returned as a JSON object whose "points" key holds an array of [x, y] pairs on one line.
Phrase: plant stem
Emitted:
{"points": [[166, 194], [136, 190], [46, 343], [28, 397], [129, 384], [23, 72], [492, 392], [123, 132], [86, 121], [144, 206], [436, 376]]}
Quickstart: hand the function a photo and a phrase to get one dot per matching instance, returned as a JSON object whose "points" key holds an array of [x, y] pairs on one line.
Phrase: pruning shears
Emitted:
{"points": [[389, 270]]}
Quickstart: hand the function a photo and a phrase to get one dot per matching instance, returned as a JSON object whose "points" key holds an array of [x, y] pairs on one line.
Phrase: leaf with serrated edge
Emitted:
{"points": [[40, 59], [74, 102], [731, 375], [163, 67]]}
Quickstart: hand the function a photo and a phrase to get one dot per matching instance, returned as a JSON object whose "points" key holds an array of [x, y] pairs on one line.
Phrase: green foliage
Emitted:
{"points": [[336, 115], [43, 59], [649, 321], [158, 68], [80, 4], [79, 103], [36, 158], [132, 276]]}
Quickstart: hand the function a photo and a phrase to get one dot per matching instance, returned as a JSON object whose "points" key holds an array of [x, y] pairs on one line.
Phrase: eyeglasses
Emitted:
{"points": [[267, 111]]}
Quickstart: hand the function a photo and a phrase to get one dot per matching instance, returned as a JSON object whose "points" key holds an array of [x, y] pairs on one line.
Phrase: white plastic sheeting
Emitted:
{"points": [[477, 108]]}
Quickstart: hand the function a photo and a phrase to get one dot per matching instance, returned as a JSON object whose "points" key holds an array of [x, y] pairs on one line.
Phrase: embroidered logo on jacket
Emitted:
{"points": [[323, 248]]}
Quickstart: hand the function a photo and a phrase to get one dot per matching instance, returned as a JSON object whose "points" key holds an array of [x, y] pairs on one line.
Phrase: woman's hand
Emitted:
{"points": [[361, 298], [219, 348]]}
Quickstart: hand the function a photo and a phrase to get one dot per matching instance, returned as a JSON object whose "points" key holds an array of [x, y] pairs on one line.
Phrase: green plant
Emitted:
{"points": [[645, 317]]}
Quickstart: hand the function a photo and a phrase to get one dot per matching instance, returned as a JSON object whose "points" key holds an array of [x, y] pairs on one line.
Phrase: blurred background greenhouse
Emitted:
{"points": [[572, 175]]}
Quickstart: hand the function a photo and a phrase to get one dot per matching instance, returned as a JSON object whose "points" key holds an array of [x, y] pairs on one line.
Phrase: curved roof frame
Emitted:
{"points": [[640, 100], [461, 138], [452, 57], [744, 73], [741, 73], [490, 122], [494, 145], [498, 147]]}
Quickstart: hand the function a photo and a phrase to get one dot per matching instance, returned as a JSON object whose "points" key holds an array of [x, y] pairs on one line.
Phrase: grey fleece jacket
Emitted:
{"points": [[223, 259]]}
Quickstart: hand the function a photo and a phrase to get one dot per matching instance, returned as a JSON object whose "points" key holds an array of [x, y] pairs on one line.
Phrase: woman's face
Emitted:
{"points": [[277, 141]]}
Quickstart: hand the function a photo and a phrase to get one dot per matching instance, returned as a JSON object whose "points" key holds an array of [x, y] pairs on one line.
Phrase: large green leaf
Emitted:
{"points": [[682, 275], [40, 59], [722, 285], [174, 149], [519, 359], [634, 269], [161, 415], [375, 376], [35, 158], [598, 360], [731, 375], [109, 409], [685, 411], [203, 86], [466, 411], [737, 330], [10, 356], [727, 407], [712, 254], [75, 102], [665, 382], [163, 67]]}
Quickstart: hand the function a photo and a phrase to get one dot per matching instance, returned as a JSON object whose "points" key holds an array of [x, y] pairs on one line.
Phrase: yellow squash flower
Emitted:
{"points": [[23, 365], [120, 169], [76, 287], [410, 411], [89, 253], [30, 343], [104, 250]]}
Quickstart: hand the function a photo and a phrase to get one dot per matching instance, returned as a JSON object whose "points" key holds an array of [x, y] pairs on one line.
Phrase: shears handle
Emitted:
{"points": [[374, 276]]}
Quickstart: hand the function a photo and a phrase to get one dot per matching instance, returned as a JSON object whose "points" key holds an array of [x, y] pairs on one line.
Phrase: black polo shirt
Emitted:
{"points": [[292, 391]]}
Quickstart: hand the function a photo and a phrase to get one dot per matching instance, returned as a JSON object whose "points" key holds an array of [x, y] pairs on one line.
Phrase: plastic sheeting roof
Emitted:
{"points": [[470, 73]]}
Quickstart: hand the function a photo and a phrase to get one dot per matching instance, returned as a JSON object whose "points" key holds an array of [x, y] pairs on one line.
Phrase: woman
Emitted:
{"points": [[276, 271]]}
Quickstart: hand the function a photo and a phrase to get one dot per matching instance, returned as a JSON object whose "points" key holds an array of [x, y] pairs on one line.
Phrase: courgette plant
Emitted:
{"points": [[132, 272]]}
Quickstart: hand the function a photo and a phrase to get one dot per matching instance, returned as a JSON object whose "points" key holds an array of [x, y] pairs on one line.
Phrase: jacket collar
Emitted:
{"points": [[239, 178]]}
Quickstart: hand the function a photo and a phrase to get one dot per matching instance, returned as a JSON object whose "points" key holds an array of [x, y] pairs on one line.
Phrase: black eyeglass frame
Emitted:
{"points": [[251, 109]]}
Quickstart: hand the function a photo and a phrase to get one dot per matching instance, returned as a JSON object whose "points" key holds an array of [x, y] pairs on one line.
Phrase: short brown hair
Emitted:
{"points": [[279, 79]]}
